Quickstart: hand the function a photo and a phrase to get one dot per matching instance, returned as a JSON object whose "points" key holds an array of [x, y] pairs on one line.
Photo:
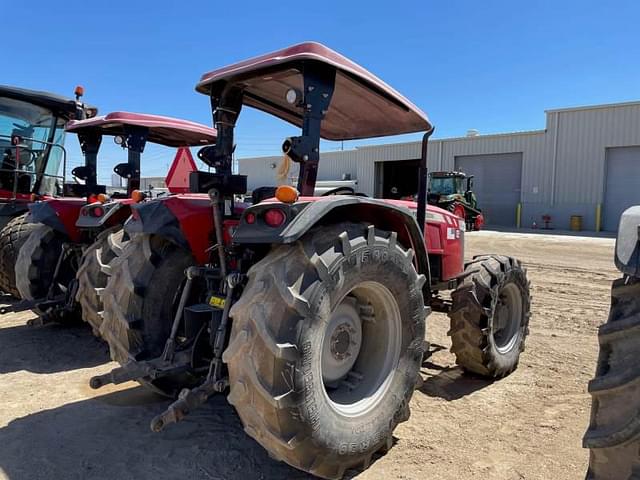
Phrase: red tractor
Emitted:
{"points": [[309, 312], [31, 141], [62, 265]]}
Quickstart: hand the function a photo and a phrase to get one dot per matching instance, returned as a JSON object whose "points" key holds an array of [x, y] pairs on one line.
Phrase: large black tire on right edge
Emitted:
{"points": [[613, 436], [12, 237], [141, 297], [274, 353]]}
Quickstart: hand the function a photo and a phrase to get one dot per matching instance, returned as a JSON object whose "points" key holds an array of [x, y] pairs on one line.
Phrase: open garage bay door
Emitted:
{"points": [[497, 183], [622, 188]]}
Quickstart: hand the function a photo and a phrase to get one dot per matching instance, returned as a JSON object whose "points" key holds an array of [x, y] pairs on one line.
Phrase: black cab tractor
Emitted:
{"points": [[32, 135], [61, 268], [613, 435], [307, 312], [453, 191]]}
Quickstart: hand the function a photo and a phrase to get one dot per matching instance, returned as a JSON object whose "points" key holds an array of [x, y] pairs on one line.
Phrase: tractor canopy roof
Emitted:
{"points": [[447, 174], [60, 106], [172, 132], [362, 105]]}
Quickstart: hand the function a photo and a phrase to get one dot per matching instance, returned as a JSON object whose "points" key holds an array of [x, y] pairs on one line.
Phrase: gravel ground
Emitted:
{"points": [[527, 426]]}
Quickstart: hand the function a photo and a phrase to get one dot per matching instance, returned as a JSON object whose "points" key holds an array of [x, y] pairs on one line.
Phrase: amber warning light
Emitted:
{"points": [[286, 194]]}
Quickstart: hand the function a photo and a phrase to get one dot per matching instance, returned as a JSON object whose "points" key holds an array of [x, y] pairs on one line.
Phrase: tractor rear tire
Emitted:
{"points": [[36, 265], [94, 273], [490, 316], [458, 210], [326, 346], [12, 237], [140, 297], [613, 436]]}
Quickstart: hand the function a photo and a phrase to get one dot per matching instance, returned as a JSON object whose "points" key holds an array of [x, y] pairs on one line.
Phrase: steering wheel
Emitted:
{"points": [[339, 191]]}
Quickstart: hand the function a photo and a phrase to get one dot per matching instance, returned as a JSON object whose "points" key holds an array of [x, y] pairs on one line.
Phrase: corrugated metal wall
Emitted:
{"points": [[563, 165], [583, 136]]}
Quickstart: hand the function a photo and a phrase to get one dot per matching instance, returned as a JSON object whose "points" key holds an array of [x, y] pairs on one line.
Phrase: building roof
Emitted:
{"points": [[595, 107]]}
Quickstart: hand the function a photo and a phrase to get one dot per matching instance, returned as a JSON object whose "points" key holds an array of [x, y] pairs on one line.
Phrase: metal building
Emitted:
{"points": [[586, 163]]}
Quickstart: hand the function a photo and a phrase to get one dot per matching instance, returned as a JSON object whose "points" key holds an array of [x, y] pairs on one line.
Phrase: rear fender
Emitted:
{"points": [[185, 220], [13, 208], [628, 242], [303, 216], [59, 214]]}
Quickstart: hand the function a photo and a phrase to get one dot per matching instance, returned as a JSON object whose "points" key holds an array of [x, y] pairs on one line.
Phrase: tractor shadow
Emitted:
{"points": [[447, 382], [49, 348], [109, 437]]}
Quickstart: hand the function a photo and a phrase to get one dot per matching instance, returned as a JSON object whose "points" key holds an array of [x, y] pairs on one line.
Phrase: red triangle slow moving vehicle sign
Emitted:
{"points": [[177, 179]]}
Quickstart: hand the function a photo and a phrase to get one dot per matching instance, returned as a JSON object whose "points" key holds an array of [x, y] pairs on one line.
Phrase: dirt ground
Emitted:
{"points": [[527, 426]]}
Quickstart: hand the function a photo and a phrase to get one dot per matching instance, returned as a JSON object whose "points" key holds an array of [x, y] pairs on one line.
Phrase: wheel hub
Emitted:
{"points": [[342, 341], [507, 318], [360, 348]]}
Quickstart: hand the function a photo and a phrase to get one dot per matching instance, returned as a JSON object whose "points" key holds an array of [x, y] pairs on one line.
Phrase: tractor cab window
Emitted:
{"points": [[38, 129], [446, 185]]}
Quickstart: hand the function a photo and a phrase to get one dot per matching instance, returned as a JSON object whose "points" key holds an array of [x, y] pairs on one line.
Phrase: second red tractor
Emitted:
{"points": [[63, 265]]}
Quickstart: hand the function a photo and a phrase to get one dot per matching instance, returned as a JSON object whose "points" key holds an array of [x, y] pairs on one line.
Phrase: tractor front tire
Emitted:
{"points": [[94, 273], [613, 436], [141, 297], [36, 265], [490, 316], [12, 238], [326, 347]]}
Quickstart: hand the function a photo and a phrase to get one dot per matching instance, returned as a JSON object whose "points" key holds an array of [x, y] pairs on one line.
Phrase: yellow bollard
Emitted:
{"points": [[598, 216], [518, 214]]}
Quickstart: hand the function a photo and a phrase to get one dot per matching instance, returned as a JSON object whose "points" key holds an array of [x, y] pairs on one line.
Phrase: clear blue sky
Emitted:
{"points": [[490, 65]]}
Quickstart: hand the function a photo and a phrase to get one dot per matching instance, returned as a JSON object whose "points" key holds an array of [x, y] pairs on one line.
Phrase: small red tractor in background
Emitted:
{"points": [[32, 127], [62, 266], [309, 311]]}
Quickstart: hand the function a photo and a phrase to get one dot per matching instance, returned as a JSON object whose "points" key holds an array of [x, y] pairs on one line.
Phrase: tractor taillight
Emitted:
{"points": [[97, 211], [274, 217], [250, 218]]}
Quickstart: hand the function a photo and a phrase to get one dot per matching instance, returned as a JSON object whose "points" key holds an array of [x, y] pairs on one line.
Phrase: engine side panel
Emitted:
{"points": [[444, 234]]}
